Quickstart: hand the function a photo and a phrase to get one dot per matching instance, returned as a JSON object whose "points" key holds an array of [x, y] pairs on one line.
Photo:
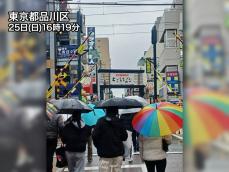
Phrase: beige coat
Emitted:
{"points": [[151, 147]]}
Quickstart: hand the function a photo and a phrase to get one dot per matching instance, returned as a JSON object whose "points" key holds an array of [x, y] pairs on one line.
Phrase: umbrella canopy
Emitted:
{"points": [[134, 110], [159, 119], [51, 110], [206, 117], [92, 117], [139, 99], [70, 106], [119, 103]]}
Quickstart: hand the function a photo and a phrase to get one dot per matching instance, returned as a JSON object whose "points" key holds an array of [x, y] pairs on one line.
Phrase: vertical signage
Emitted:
{"points": [[91, 45], [91, 50], [148, 65], [212, 51], [172, 79]]}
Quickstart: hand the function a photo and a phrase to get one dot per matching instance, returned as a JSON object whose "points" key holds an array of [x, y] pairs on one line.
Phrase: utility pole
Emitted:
{"points": [[52, 51], [154, 42], [80, 22]]}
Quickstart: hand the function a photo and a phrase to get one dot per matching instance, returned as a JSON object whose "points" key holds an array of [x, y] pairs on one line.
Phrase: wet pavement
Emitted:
{"points": [[174, 161]]}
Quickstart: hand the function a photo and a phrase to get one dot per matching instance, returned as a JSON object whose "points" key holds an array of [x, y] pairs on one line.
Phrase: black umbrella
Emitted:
{"points": [[70, 106], [119, 103]]}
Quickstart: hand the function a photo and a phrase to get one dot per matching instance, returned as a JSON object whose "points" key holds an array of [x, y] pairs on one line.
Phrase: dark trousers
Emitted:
{"points": [[159, 164], [135, 141], [89, 150], [51, 148]]}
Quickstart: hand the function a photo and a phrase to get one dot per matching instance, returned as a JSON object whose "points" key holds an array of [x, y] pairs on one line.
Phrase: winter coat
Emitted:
{"points": [[75, 138], [108, 137], [151, 148], [54, 126]]}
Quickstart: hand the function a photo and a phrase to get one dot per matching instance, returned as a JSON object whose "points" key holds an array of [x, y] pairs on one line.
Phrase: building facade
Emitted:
{"points": [[170, 53], [59, 48], [102, 45]]}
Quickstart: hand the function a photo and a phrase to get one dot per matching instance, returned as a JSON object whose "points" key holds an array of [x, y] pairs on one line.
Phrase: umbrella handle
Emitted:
{"points": [[94, 112]]}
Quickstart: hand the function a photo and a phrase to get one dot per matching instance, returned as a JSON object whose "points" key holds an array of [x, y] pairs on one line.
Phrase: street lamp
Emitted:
{"points": [[154, 42], [79, 20], [141, 62]]}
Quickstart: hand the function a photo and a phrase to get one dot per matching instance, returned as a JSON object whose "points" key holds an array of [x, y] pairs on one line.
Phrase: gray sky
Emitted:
{"points": [[125, 50]]}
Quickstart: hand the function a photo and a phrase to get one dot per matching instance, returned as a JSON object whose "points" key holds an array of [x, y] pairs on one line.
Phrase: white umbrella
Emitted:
{"points": [[134, 110]]}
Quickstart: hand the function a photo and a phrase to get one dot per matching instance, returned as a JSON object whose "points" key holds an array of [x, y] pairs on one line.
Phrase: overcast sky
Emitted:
{"points": [[125, 50]]}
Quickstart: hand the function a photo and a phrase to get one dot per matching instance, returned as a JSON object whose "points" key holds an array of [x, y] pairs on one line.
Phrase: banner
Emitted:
{"points": [[65, 52], [148, 65], [123, 79], [172, 79], [91, 45]]}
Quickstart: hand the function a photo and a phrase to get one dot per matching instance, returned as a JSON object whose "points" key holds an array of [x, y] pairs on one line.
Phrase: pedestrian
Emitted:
{"points": [[153, 153], [54, 126], [89, 150], [126, 119], [135, 141], [75, 136], [108, 137]]}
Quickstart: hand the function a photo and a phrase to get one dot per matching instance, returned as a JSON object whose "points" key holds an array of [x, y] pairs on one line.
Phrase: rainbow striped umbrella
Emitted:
{"points": [[206, 116], [159, 119]]}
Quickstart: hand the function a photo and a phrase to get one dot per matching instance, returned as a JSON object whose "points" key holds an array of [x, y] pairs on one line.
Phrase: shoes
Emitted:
{"points": [[130, 160], [90, 160], [136, 150]]}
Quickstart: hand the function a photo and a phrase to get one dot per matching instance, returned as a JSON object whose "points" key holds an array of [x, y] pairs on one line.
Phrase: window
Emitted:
{"points": [[73, 38], [73, 41], [170, 39]]}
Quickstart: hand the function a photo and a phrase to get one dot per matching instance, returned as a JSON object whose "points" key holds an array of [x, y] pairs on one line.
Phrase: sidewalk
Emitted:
{"points": [[174, 164], [174, 161]]}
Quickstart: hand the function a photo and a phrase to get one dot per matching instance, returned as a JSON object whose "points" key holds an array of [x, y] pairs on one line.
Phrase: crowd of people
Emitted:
{"points": [[110, 136]]}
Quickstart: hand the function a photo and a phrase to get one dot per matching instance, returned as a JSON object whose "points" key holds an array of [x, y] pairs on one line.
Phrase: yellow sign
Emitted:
{"points": [[81, 49], [148, 65]]}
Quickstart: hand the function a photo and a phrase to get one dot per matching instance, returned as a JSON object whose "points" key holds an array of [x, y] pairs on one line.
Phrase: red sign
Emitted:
{"points": [[172, 74], [88, 88]]}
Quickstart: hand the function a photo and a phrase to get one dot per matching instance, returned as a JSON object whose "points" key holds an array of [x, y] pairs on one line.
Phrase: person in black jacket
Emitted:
{"points": [[75, 136], [126, 119], [108, 137], [54, 125]]}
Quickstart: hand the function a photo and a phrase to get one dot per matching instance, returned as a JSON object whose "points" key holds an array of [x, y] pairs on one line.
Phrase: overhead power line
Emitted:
{"points": [[130, 12], [127, 33], [127, 24], [111, 6], [120, 4], [112, 25]]}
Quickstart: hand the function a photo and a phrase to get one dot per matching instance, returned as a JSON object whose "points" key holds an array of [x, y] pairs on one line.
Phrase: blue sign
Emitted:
{"points": [[172, 79], [65, 51]]}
